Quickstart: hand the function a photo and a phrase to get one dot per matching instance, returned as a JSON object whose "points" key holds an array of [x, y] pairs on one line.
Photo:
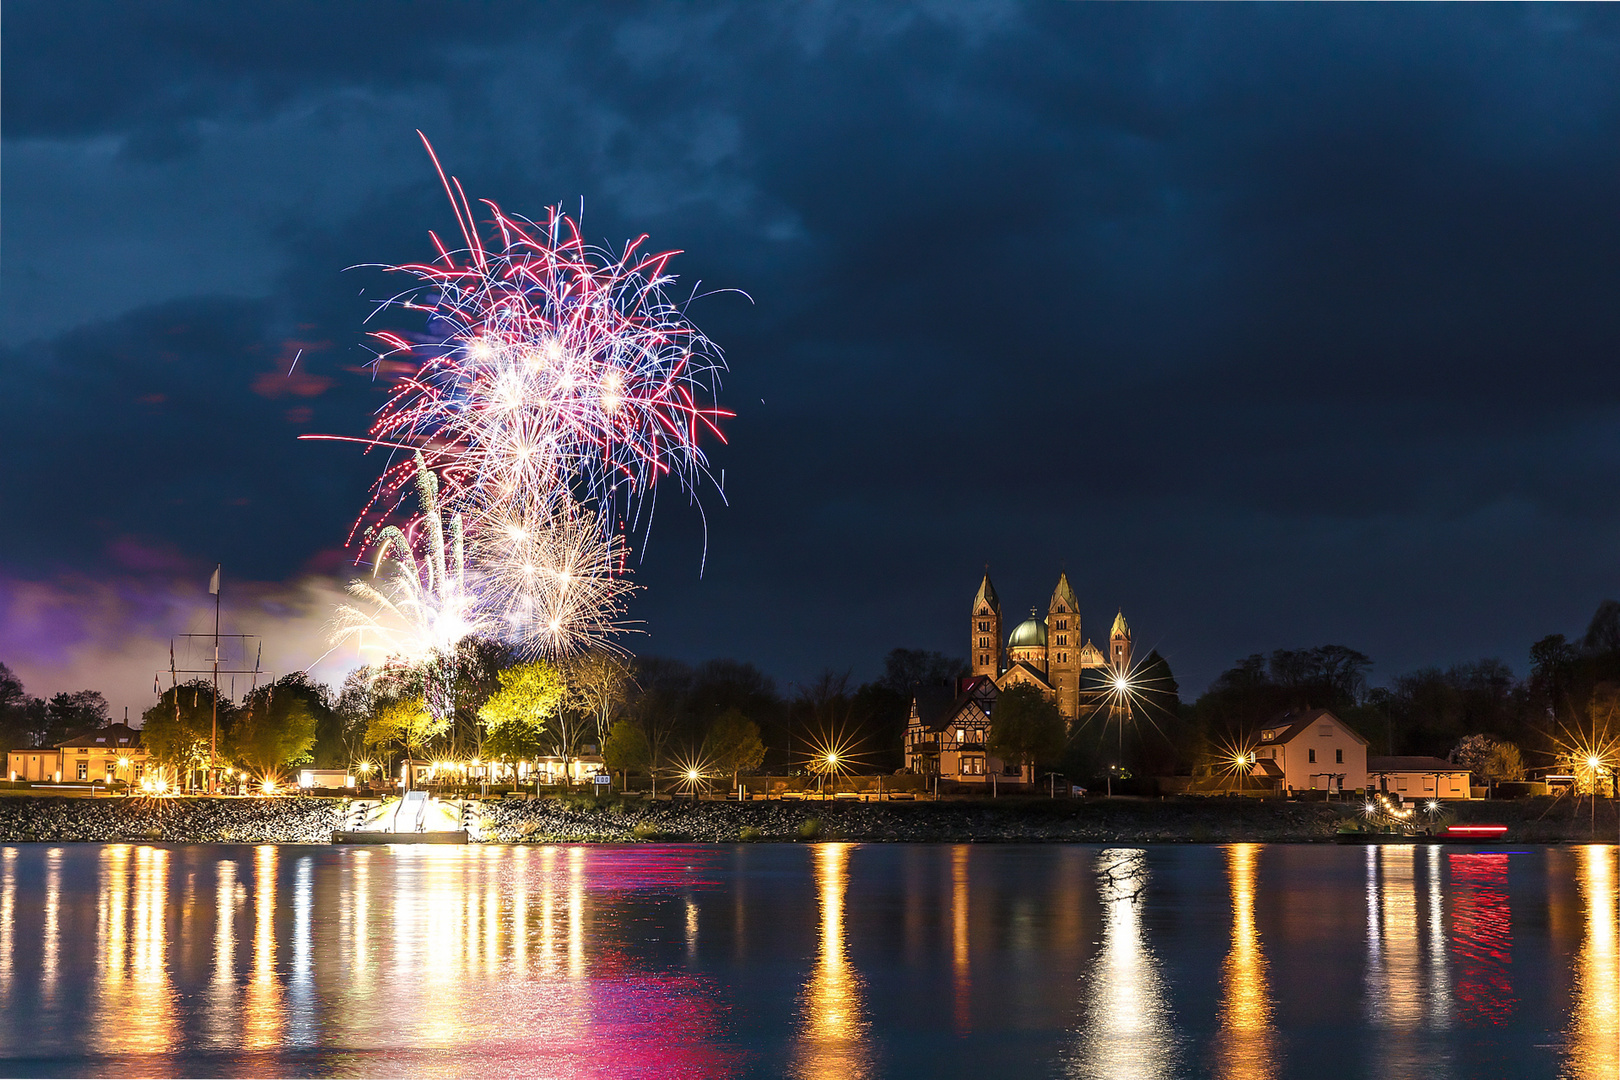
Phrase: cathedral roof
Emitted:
{"points": [[1027, 633], [987, 595], [1120, 628], [1063, 595]]}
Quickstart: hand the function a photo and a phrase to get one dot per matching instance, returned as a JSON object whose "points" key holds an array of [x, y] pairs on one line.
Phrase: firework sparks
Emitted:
{"points": [[548, 580], [419, 615]]}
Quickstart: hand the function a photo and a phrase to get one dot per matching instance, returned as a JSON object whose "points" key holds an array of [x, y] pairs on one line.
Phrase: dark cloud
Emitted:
{"points": [[1275, 325]]}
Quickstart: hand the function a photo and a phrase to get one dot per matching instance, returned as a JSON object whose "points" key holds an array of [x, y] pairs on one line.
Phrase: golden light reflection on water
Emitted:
{"points": [[1594, 1048], [263, 1019], [135, 1001], [1128, 1028], [1245, 1047], [8, 918], [961, 971], [833, 1030], [50, 951]]}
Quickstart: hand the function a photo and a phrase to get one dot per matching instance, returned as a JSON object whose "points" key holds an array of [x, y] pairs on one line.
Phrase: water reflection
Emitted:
{"points": [[1128, 1029], [1594, 1050], [134, 1001], [1481, 937], [1245, 1048], [961, 958], [833, 1028]]}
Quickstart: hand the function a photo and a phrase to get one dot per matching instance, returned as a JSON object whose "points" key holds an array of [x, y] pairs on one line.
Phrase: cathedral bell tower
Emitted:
{"points": [[1119, 645], [986, 638], [1063, 647]]}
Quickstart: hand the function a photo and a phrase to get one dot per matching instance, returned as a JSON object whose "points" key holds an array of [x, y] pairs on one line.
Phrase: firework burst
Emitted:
{"points": [[548, 365], [549, 582]]}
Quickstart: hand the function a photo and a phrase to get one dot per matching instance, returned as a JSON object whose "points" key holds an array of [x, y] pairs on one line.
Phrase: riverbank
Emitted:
{"points": [[1010, 820]]}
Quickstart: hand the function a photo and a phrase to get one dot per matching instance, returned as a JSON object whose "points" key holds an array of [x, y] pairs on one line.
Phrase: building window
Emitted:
{"points": [[1338, 757], [1313, 755], [84, 770]]}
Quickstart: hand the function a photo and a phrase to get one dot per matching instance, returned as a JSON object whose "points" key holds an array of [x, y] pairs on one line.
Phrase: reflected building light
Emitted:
{"points": [[1128, 1029], [1245, 1046], [8, 918], [576, 915], [50, 948], [1394, 983], [520, 913], [548, 928], [263, 1020], [112, 943], [222, 988], [833, 1029], [961, 971], [1481, 938], [301, 998], [1439, 982], [691, 928], [151, 1022], [1594, 1034]]}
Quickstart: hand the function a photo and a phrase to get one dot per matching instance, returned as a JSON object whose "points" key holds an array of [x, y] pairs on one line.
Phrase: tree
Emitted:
{"points": [[21, 716], [176, 731], [906, 669], [1026, 727], [406, 722], [1504, 763], [599, 682], [734, 745], [277, 724], [626, 748], [67, 716], [529, 707], [658, 708]]}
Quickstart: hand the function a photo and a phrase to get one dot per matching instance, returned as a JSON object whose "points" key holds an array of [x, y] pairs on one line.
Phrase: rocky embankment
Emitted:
{"points": [[1011, 820], [184, 820]]}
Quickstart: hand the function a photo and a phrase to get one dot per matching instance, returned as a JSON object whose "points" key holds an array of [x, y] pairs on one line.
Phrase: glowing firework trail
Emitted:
{"points": [[548, 365], [422, 610]]}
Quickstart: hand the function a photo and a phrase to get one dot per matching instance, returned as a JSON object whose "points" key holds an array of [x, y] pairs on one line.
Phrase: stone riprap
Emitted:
{"points": [[179, 820], [302, 820]]}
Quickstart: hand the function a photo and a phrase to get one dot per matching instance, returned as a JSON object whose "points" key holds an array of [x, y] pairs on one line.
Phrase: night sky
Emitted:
{"points": [[1275, 326]]}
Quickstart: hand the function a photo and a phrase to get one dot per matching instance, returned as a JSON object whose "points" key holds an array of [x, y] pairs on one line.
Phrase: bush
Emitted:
{"points": [[810, 828], [646, 830], [748, 834]]}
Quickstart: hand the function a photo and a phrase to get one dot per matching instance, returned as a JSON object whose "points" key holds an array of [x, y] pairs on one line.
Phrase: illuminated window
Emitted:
{"points": [[84, 770]]}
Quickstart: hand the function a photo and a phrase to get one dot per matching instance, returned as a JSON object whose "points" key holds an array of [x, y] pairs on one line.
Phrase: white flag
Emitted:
{"points": [[213, 583]]}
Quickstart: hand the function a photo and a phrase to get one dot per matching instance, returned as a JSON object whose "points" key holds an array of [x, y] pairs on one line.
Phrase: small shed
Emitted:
{"points": [[1418, 777]]}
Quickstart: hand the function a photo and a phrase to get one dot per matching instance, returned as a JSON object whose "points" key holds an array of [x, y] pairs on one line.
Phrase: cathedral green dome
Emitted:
{"points": [[1030, 632]]}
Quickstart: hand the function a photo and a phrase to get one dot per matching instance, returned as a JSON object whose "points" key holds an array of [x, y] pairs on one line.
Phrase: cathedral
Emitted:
{"points": [[947, 731], [1050, 654]]}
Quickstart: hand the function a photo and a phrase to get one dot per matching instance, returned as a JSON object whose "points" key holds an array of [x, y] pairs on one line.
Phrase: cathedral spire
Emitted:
{"points": [[986, 597], [1063, 596]]}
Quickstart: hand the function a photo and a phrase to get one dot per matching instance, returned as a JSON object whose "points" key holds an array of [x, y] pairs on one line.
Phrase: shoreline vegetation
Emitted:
{"points": [[588, 819]]}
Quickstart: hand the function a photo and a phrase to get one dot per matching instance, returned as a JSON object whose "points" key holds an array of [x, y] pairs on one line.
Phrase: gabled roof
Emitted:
{"points": [[1028, 669], [1091, 656], [1121, 628], [987, 596], [113, 737], [1289, 726], [1413, 764], [1063, 596], [937, 707]]}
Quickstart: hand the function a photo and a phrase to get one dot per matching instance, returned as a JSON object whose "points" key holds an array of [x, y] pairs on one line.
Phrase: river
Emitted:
{"points": [[1241, 961]]}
